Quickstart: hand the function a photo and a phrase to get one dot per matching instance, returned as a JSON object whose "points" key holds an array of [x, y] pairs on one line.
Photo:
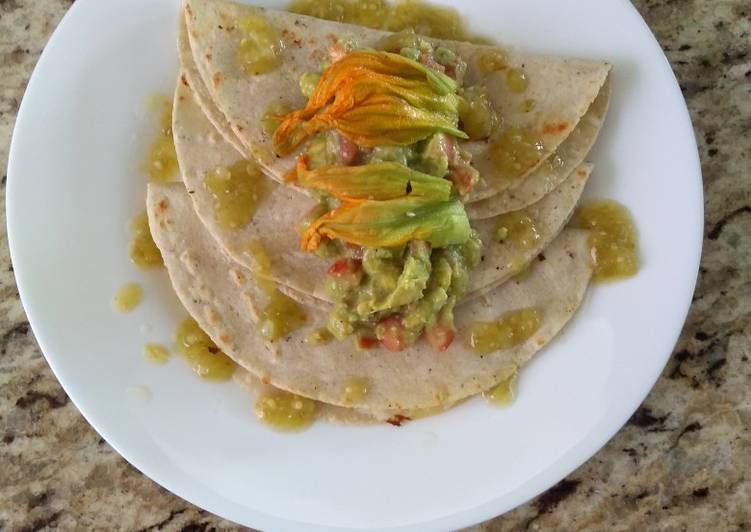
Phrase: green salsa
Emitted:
{"points": [[161, 162], [355, 390], [515, 151], [518, 228], [528, 105], [142, 250], [424, 18], [509, 330], [516, 80], [202, 354], [490, 61], [318, 337], [476, 113], [504, 391], [613, 237], [128, 297], [261, 46], [237, 192], [285, 411], [281, 315], [156, 353]]}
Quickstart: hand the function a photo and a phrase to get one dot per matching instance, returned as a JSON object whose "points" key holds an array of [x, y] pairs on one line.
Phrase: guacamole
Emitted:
{"points": [[396, 294], [380, 203]]}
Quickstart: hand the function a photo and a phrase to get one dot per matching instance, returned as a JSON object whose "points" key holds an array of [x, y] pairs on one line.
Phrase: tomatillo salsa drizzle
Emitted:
{"points": [[142, 249], [161, 161], [201, 353], [613, 237], [421, 17], [128, 297], [285, 411]]}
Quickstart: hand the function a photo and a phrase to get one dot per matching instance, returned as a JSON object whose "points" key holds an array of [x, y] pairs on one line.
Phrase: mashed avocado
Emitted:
{"points": [[409, 289], [397, 154], [386, 288], [434, 155], [323, 150]]}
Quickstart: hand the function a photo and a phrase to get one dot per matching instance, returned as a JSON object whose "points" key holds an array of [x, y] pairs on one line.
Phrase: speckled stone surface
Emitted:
{"points": [[683, 462]]}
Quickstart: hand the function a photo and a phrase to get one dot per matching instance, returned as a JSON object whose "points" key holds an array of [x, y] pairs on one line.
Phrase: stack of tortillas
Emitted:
{"points": [[217, 121]]}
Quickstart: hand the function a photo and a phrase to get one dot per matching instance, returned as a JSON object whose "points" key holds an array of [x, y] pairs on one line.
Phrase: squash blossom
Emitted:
{"points": [[375, 181], [391, 223], [375, 98]]}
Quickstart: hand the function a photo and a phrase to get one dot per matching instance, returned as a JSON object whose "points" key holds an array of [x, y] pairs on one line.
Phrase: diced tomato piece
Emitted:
{"points": [[366, 342], [345, 266], [440, 336], [348, 150], [430, 62], [463, 177], [451, 69], [392, 333]]}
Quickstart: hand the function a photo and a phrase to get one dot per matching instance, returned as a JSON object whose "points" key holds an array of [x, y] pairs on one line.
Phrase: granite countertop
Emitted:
{"points": [[681, 463]]}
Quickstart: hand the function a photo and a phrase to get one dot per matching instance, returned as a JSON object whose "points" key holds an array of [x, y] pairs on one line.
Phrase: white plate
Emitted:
{"points": [[74, 181]]}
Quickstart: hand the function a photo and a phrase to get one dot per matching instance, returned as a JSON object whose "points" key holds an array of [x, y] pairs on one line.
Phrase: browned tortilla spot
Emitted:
{"points": [[213, 316], [551, 128], [397, 420], [237, 276]]}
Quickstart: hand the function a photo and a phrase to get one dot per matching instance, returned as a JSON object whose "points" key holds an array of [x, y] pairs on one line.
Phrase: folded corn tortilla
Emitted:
{"points": [[224, 299], [563, 88], [570, 154]]}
